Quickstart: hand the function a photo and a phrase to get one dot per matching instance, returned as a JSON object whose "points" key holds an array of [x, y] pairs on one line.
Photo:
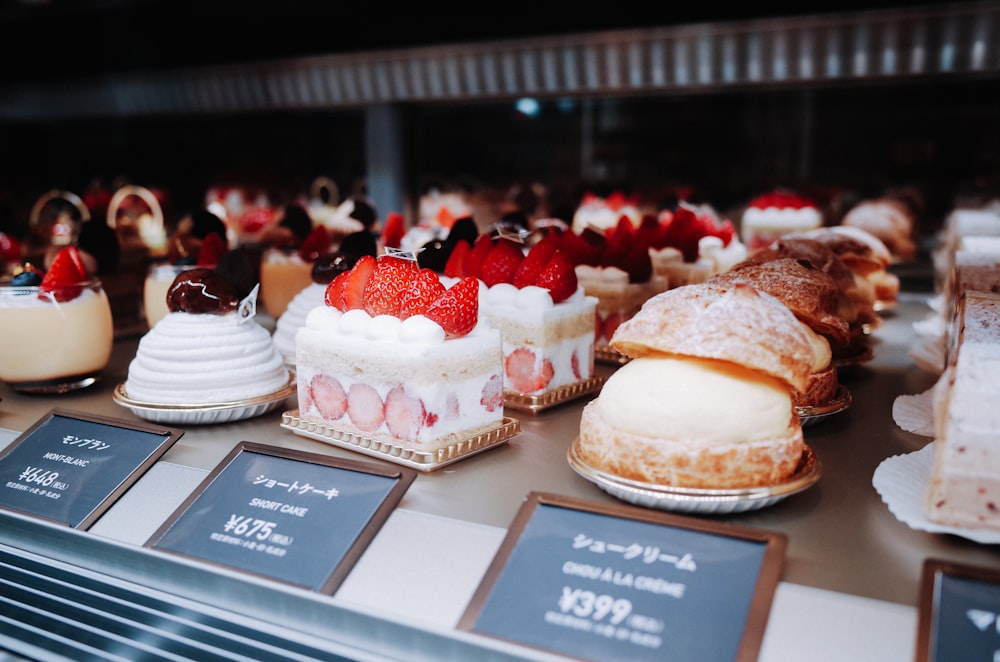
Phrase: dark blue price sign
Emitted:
{"points": [[959, 613], [297, 517], [616, 582], [70, 467]]}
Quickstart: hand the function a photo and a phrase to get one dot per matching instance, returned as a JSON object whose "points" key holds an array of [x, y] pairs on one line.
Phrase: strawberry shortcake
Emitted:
{"points": [[395, 356], [534, 299]]}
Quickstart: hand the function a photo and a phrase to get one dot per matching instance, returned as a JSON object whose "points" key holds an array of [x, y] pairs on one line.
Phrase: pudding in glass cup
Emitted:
{"points": [[155, 287], [56, 339]]}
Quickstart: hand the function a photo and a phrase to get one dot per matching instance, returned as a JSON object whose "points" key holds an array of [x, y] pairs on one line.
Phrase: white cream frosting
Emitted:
{"points": [[782, 218], [203, 359], [561, 334], [695, 400], [294, 318], [449, 377]]}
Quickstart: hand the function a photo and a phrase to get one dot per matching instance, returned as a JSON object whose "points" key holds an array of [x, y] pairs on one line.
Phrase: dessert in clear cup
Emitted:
{"points": [[57, 330], [286, 270], [200, 240], [533, 298], [396, 357]]}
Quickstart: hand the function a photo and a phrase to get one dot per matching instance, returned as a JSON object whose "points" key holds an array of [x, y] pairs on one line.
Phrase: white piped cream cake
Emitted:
{"points": [[395, 356], [208, 349]]}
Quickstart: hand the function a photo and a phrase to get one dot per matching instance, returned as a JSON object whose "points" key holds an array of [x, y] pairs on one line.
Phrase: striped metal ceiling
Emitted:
{"points": [[950, 40]]}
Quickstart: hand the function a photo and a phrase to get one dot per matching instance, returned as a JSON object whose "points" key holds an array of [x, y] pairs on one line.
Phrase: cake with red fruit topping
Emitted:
{"points": [[534, 299], [615, 268], [690, 244], [772, 215], [285, 271], [600, 213], [208, 349], [324, 270], [395, 356]]}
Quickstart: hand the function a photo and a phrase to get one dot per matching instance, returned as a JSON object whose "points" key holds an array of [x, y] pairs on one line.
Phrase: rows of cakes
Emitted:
{"points": [[424, 349]]}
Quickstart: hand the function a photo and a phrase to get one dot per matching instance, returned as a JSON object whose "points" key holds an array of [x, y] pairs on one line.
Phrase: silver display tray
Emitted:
{"points": [[698, 500]]}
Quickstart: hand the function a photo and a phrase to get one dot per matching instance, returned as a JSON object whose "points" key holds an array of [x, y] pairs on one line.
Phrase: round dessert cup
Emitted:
{"points": [[159, 278], [54, 341], [282, 276]]}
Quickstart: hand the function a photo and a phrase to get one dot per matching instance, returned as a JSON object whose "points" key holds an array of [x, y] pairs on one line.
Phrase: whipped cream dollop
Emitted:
{"points": [[188, 358], [783, 217], [528, 298], [683, 399], [358, 324]]}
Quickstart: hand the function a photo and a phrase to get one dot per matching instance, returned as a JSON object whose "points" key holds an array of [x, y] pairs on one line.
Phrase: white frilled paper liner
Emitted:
{"points": [[915, 413], [901, 481]]}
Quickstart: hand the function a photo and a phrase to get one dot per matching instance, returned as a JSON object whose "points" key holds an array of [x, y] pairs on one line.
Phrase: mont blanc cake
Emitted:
{"points": [[208, 349]]}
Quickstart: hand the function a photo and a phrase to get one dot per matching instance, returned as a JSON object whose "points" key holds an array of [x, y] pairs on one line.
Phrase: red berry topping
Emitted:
{"points": [[480, 249], [315, 244], [394, 230], [422, 291], [533, 263], [558, 276], [354, 288], [334, 295], [501, 263], [390, 275], [211, 251], [457, 310], [457, 265], [63, 281]]}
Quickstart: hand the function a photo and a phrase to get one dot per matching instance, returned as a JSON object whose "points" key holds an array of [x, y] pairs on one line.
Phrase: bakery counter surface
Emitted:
{"points": [[843, 542]]}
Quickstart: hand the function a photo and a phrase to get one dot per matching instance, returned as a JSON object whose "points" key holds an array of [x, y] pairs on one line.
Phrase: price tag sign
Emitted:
{"points": [[70, 467], [959, 613], [300, 518], [616, 582]]}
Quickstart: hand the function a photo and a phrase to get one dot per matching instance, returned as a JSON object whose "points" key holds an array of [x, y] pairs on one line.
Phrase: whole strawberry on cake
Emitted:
{"points": [[397, 357], [544, 316]]}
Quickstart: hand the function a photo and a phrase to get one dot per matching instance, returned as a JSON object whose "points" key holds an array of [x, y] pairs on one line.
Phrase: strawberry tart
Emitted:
{"points": [[396, 358], [774, 214], [691, 243], [546, 320]]}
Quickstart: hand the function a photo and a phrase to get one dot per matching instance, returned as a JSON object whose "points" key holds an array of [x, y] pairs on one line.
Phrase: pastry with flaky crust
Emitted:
{"points": [[813, 298], [697, 350]]}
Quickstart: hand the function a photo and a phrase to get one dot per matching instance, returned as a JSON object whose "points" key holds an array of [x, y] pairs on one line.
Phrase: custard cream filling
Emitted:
{"points": [[688, 399]]}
